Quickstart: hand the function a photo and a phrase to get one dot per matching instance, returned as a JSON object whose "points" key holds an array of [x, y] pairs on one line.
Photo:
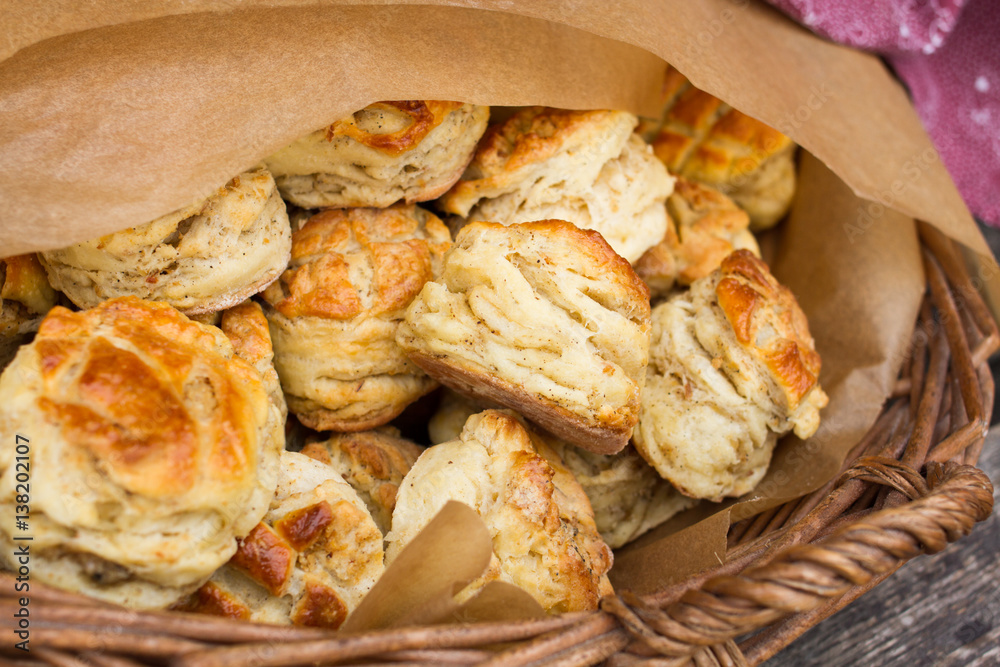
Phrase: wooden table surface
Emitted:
{"points": [[936, 610]]}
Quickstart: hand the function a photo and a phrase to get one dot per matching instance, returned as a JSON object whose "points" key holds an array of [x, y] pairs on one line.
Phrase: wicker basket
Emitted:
{"points": [[907, 488]]}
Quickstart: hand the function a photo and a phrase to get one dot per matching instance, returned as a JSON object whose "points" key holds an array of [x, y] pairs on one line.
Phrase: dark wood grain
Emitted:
{"points": [[940, 610]]}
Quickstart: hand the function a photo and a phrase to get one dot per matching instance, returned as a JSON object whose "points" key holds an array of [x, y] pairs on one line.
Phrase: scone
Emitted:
{"points": [[587, 167], [246, 328], [206, 257], [310, 560], [540, 317], [628, 497], [705, 227], [389, 151], [373, 463], [152, 449], [333, 314], [708, 141], [732, 367], [542, 527], [25, 296]]}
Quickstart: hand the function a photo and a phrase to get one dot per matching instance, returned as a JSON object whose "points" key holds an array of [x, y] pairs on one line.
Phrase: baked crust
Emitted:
{"points": [[706, 140], [333, 314], [540, 317], [206, 257], [310, 560], [153, 449], [705, 227], [409, 151], [373, 463], [583, 166], [544, 538], [25, 296]]}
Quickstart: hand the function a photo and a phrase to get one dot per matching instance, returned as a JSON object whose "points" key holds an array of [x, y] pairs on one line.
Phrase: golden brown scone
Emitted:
{"points": [[544, 538], [310, 560], [246, 327], [541, 317], [708, 141], [152, 445], [25, 296], [206, 257], [732, 367], [334, 313], [628, 497], [389, 151], [373, 463], [705, 227], [587, 167]]}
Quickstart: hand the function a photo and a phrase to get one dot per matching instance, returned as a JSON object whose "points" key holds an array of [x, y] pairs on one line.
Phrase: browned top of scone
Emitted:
{"points": [[700, 132], [160, 400], [768, 321], [705, 225], [246, 327], [532, 135], [346, 262], [373, 463], [590, 244], [422, 115]]}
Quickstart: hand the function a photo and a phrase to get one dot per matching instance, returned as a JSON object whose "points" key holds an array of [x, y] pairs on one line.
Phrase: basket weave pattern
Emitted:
{"points": [[908, 487]]}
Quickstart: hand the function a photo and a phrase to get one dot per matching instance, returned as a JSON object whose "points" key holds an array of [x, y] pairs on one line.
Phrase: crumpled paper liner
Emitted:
{"points": [[112, 114]]}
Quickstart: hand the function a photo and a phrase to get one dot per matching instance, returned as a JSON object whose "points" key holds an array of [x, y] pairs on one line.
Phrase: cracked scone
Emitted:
{"points": [[705, 227], [202, 258], [373, 463], [309, 561], [708, 141], [732, 367], [409, 151], [153, 447], [25, 296], [334, 312], [541, 524], [540, 317], [628, 496], [587, 167]]}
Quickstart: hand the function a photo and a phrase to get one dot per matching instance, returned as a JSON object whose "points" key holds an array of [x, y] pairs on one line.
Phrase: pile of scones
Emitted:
{"points": [[573, 299]]}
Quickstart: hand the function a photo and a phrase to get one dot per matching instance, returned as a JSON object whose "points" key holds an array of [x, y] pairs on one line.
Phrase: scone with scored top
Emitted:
{"points": [[206, 257], [25, 296], [732, 367], [542, 527], [541, 317], [308, 562], [705, 227], [387, 152], [708, 141], [152, 449], [334, 312], [628, 497], [587, 167], [373, 463]]}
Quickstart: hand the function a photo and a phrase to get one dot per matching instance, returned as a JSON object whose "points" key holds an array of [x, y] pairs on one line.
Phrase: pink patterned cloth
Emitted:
{"points": [[948, 53]]}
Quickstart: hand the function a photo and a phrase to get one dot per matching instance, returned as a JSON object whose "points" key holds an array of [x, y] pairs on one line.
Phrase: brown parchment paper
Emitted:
{"points": [[114, 113]]}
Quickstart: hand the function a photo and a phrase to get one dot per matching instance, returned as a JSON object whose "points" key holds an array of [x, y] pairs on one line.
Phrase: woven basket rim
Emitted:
{"points": [[908, 487]]}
